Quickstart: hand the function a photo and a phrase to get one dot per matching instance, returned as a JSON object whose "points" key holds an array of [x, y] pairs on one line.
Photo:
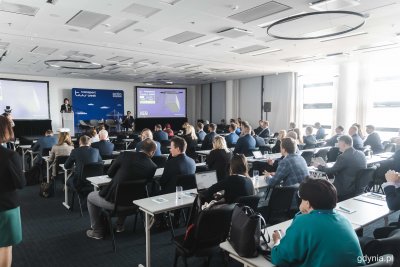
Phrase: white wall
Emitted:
{"points": [[250, 100], [60, 88], [218, 102]]}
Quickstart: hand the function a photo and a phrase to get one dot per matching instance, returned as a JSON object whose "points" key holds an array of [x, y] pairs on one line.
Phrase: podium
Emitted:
{"points": [[67, 120]]}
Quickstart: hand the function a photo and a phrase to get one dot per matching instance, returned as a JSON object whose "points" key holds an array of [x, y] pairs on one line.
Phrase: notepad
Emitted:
{"points": [[159, 200]]}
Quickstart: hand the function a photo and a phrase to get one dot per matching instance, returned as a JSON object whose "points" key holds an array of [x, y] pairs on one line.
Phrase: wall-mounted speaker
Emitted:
{"points": [[267, 106]]}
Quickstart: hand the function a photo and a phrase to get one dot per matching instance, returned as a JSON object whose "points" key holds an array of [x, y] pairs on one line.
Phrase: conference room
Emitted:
{"points": [[146, 133]]}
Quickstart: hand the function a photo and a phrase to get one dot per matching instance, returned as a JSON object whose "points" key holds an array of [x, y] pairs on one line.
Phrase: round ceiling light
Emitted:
{"points": [[293, 31], [73, 64]]}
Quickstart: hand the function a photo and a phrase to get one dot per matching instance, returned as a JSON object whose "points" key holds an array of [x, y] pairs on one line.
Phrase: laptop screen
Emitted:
{"points": [[206, 179], [257, 154]]}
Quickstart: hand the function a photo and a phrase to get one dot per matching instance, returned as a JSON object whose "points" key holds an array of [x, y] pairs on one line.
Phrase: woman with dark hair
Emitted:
{"points": [[11, 179], [318, 236], [238, 184], [168, 130]]}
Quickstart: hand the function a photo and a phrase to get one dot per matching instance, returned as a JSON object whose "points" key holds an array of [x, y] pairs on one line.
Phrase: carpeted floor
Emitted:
{"points": [[55, 237]]}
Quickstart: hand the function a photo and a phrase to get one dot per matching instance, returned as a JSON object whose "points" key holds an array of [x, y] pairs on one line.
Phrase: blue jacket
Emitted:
{"points": [[201, 135], [105, 147], [208, 140], [231, 139], [245, 144], [43, 143], [357, 142], [160, 136], [158, 149], [320, 134]]}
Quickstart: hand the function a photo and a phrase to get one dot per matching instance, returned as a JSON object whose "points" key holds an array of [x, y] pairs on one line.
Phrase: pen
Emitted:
{"points": [[340, 207]]}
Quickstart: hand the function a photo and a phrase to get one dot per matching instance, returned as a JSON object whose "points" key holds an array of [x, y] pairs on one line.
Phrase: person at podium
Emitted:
{"points": [[128, 121], [66, 107]]}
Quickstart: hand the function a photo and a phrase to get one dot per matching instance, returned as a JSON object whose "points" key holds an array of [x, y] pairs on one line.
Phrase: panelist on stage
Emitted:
{"points": [[66, 107], [128, 121]]}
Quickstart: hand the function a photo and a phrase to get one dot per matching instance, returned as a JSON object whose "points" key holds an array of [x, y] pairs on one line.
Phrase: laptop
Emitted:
{"points": [[257, 154], [205, 179]]}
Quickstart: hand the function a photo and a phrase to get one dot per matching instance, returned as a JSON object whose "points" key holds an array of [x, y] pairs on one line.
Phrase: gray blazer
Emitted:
{"points": [[345, 170]]}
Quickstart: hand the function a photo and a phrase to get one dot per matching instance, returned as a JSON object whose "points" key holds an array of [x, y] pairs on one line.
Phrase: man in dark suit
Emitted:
{"points": [[206, 124], [260, 127], [159, 135], [373, 140], [129, 166], [127, 121], [178, 164], [346, 167], [357, 141], [232, 137], [246, 142], [334, 139], [259, 141], [45, 142], [200, 132], [145, 134], [320, 131], [80, 156], [209, 138], [104, 146], [264, 133], [392, 190], [66, 107]]}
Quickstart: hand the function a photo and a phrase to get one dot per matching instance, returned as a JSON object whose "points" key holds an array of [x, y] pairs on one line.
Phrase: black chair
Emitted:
{"points": [[187, 181], [211, 228], [159, 161], [46, 152], [164, 146], [390, 147], [379, 247], [112, 156], [251, 201], [308, 155], [364, 181], [323, 153], [125, 194], [279, 205], [332, 154], [84, 187]]}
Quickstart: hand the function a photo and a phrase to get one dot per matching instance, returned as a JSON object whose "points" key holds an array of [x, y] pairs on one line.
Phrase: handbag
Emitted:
{"points": [[245, 231], [46, 189]]}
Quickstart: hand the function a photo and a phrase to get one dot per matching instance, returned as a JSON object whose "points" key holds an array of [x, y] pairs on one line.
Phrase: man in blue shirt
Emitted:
{"points": [[246, 143], [200, 132], [159, 135], [45, 142], [146, 133], [320, 131], [232, 137], [357, 141]]}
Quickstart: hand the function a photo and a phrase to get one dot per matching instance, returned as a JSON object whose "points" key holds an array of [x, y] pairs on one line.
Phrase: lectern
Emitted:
{"points": [[67, 120]]}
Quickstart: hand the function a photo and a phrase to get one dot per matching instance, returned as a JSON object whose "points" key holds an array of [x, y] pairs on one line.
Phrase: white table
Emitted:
{"points": [[48, 167], [24, 149], [151, 207], [203, 154], [128, 141], [98, 181]]}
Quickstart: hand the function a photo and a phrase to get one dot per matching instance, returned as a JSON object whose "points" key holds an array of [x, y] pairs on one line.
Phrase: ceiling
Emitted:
{"points": [[182, 41]]}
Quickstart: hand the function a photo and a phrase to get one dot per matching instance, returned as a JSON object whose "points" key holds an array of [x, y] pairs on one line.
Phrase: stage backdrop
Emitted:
{"points": [[94, 104]]}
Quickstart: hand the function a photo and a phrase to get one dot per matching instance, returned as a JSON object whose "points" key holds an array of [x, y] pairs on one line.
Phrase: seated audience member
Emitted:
{"points": [[168, 130], [62, 148], [360, 131], [232, 137], [159, 135], [45, 142], [334, 139], [239, 128], [219, 158], [299, 137], [260, 127], [184, 126], [277, 147], [357, 141], [373, 140], [238, 184], [259, 141], [309, 139], [392, 190], [264, 133], [318, 236], [104, 146], [80, 156], [206, 124], [129, 166], [178, 164], [292, 169], [320, 131], [246, 143], [94, 137], [191, 141], [127, 121], [146, 133], [292, 126], [208, 139], [346, 167], [200, 132]]}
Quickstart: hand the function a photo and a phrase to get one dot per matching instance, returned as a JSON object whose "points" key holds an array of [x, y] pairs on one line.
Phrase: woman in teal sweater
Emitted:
{"points": [[318, 236]]}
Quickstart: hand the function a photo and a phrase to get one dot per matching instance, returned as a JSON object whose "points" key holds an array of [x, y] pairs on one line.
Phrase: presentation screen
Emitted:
{"points": [[29, 100], [156, 102]]}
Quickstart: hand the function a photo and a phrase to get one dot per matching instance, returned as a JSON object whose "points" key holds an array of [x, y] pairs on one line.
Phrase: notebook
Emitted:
{"points": [[257, 154], [205, 179]]}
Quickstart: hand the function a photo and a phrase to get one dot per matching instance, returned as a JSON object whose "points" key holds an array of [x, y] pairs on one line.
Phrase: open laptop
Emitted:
{"points": [[257, 154], [205, 179]]}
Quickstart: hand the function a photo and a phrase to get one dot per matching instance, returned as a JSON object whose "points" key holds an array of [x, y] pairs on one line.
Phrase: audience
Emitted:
{"points": [[277, 147], [104, 146], [94, 137], [191, 140], [206, 124], [373, 140], [259, 141], [11, 179], [178, 164], [309, 139], [146, 133], [346, 167], [246, 143], [80, 156], [392, 190], [320, 131], [232, 137], [200, 132], [264, 133], [129, 166], [318, 236], [238, 184], [260, 127], [334, 139], [208, 139], [299, 137], [168, 130], [45, 142], [292, 126], [159, 135], [62, 148], [219, 158], [357, 141], [359, 130]]}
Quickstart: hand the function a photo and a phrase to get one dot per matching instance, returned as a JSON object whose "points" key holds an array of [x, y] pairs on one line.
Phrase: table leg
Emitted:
{"points": [[31, 159], [65, 203], [149, 220], [48, 172], [23, 159]]}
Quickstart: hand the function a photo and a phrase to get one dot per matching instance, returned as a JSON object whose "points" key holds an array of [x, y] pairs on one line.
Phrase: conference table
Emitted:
{"points": [[24, 149]]}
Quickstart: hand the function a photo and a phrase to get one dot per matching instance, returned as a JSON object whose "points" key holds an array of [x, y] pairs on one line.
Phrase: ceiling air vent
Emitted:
{"points": [[86, 19], [249, 49], [261, 11], [234, 32], [184, 37]]}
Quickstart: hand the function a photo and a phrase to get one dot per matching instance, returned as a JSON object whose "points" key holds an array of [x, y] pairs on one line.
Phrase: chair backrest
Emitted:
{"points": [[60, 160], [112, 156], [332, 154], [251, 201], [129, 191], [388, 245], [249, 152], [322, 153], [387, 261], [46, 151], [308, 155], [159, 161], [92, 169], [280, 200], [187, 181], [390, 147], [364, 181]]}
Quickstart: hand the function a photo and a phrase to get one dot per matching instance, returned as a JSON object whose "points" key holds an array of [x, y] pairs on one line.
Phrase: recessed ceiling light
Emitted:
{"points": [[138, 30], [73, 30], [54, 15]]}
